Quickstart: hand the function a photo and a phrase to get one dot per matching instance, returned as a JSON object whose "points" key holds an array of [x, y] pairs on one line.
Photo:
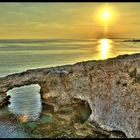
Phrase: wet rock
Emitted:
{"points": [[9, 126], [59, 124], [4, 100], [23, 118]]}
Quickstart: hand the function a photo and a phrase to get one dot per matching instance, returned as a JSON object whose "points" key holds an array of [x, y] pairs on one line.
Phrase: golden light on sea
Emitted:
{"points": [[104, 48]]}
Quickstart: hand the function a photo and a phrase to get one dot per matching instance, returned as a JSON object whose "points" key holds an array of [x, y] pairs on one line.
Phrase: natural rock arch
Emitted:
{"points": [[111, 87]]}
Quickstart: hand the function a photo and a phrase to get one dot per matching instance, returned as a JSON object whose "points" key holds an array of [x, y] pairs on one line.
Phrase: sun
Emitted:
{"points": [[106, 14]]}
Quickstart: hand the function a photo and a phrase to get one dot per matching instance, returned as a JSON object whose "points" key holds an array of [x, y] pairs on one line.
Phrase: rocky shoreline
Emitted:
{"points": [[111, 88]]}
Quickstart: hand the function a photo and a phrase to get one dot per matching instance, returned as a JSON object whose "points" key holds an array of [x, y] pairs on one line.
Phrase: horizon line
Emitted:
{"points": [[68, 38]]}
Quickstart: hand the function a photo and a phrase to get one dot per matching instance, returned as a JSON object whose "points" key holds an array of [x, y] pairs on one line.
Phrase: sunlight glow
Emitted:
{"points": [[104, 48], [106, 14]]}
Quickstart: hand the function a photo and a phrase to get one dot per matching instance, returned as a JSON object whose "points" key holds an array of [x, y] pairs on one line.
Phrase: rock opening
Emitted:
{"points": [[25, 102]]}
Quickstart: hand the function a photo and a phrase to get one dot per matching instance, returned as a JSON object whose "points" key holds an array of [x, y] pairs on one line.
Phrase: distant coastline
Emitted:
{"points": [[133, 40]]}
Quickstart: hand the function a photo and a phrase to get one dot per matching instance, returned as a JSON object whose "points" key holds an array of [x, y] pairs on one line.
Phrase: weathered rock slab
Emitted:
{"points": [[111, 87]]}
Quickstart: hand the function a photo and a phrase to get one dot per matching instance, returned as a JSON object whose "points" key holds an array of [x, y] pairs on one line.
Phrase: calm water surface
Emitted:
{"points": [[20, 55], [26, 102]]}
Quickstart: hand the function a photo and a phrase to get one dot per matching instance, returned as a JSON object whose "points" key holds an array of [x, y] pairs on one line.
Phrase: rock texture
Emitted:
{"points": [[111, 87]]}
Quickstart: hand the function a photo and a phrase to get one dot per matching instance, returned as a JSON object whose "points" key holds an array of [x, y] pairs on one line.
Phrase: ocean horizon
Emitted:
{"points": [[17, 55]]}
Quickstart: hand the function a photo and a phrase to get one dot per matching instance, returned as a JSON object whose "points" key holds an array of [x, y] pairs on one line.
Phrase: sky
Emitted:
{"points": [[68, 20]]}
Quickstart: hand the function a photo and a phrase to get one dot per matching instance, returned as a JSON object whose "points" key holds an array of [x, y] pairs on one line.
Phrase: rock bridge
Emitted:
{"points": [[111, 87]]}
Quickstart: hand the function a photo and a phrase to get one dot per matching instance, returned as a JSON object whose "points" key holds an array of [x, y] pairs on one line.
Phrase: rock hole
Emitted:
{"points": [[78, 111], [47, 108], [83, 109], [124, 84], [118, 133], [25, 102], [133, 73], [118, 82]]}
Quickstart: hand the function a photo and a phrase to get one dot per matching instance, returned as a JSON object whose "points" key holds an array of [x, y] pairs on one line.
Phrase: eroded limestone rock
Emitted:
{"points": [[111, 87]]}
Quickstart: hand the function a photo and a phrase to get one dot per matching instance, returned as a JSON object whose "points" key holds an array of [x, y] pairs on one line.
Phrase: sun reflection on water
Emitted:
{"points": [[104, 48]]}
